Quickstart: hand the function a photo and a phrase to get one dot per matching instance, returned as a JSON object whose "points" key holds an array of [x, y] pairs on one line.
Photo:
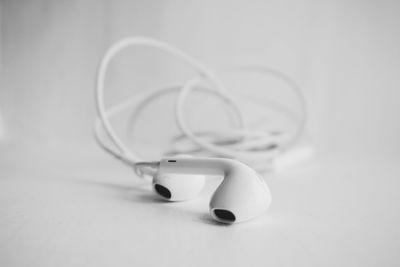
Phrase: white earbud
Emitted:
{"points": [[241, 196], [178, 187]]}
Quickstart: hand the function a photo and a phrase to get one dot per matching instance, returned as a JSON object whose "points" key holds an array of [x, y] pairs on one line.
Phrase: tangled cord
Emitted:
{"points": [[255, 148]]}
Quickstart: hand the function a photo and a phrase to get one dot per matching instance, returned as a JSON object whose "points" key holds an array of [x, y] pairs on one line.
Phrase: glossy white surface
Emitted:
{"points": [[88, 210]]}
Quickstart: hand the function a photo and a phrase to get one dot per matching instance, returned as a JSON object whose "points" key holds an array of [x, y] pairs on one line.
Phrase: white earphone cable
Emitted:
{"points": [[252, 147]]}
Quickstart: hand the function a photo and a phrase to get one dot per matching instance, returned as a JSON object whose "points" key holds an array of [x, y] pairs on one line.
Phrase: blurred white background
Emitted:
{"points": [[63, 209], [344, 54]]}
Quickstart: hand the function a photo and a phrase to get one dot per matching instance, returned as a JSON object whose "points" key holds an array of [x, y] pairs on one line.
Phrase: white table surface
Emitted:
{"points": [[88, 210]]}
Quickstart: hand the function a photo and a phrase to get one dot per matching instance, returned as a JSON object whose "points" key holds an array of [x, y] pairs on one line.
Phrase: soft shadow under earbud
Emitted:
{"points": [[241, 196]]}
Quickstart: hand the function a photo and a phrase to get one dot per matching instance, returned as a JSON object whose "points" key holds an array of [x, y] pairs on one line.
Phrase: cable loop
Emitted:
{"points": [[256, 148]]}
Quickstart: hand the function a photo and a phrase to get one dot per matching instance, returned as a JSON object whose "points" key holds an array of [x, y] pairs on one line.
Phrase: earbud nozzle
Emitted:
{"points": [[178, 187], [224, 215], [163, 191]]}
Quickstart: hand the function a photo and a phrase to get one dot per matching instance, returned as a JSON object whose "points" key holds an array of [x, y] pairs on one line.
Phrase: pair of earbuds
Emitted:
{"points": [[243, 194]]}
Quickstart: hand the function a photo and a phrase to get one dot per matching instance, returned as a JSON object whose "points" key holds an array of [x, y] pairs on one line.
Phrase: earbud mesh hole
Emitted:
{"points": [[163, 191], [224, 215]]}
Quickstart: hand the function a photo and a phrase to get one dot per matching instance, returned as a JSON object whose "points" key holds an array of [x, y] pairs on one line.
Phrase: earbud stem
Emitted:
{"points": [[203, 166]]}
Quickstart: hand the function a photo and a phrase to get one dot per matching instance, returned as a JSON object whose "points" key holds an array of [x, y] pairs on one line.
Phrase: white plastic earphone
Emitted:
{"points": [[241, 196], [243, 193]]}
